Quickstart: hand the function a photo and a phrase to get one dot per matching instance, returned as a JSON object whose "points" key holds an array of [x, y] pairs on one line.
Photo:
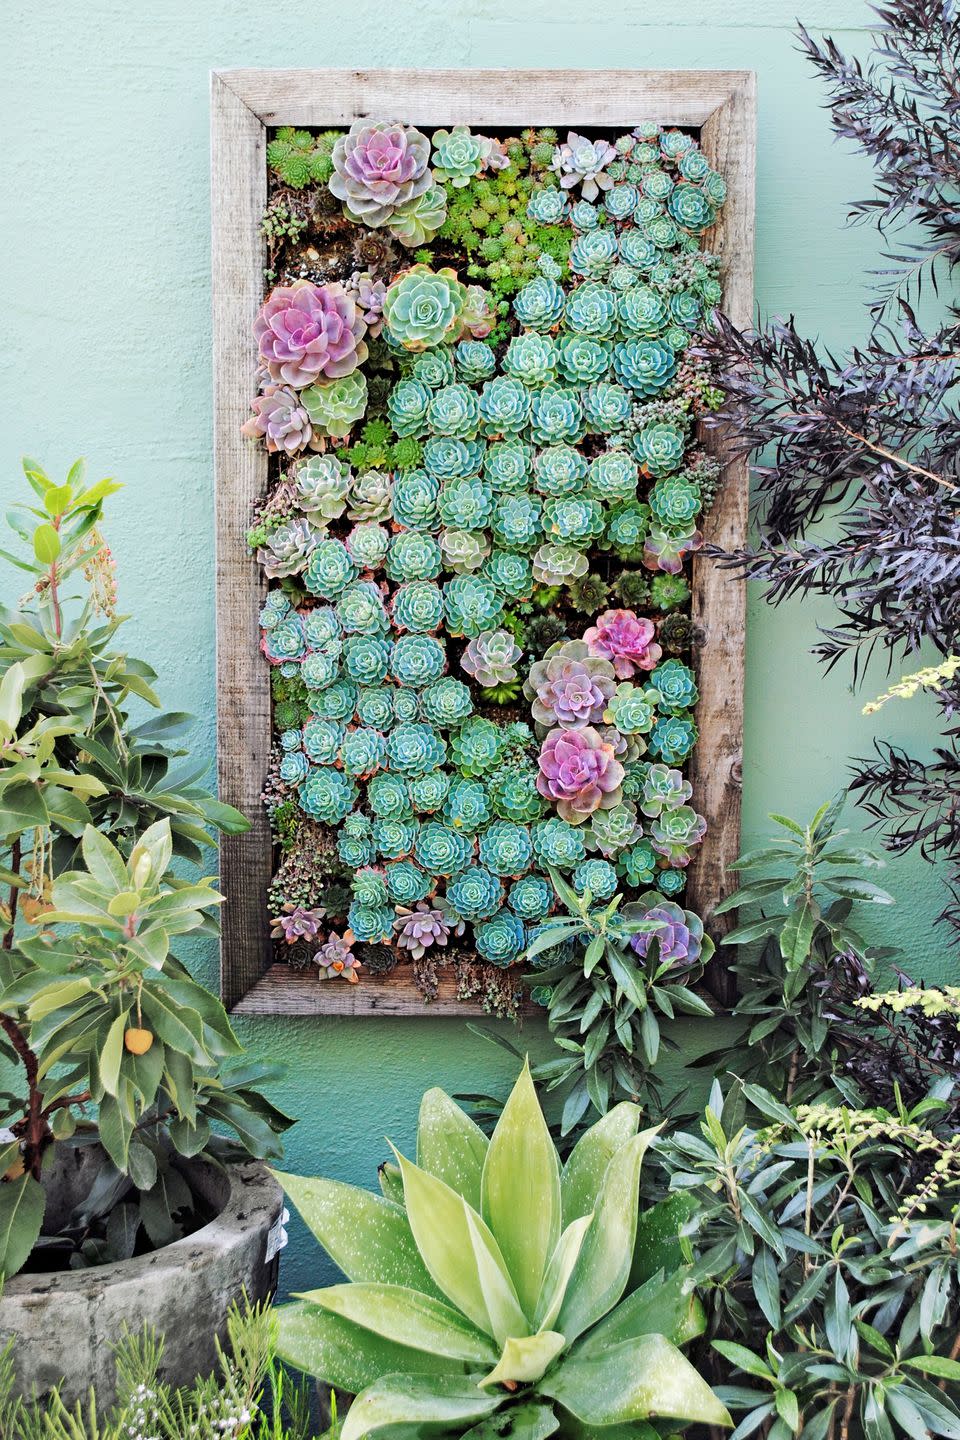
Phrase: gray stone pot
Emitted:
{"points": [[64, 1324]]}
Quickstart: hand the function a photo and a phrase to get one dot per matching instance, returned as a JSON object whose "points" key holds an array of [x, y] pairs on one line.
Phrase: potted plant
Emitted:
{"points": [[118, 1198]]}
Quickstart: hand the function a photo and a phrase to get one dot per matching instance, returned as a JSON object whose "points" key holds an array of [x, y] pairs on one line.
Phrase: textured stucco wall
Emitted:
{"points": [[104, 213]]}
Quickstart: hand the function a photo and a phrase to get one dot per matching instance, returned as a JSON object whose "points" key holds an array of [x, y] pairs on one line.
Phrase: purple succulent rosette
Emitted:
{"points": [[279, 420], [579, 773], [678, 939], [570, 686], [309, 333], [626, 639], [378, 168]]}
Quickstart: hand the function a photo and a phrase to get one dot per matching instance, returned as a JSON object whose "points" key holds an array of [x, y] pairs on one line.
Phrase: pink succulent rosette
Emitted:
{"points": [[377, 167], [579, 773], [569, 687], [626, 640], [280, 420], [309, 333]]}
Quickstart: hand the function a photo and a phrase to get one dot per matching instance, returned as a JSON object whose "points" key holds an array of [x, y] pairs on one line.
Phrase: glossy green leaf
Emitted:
{"points": [[663, 1306], [657, 1246], [408, 1318], [525, 1359], [451, 1146], [444, 1227], [601, 1272], [587, 1164], [367, 1237], [559, 1270], [499, 1294], [521, 1190], [332, 1349], [443, 1402], [46, 544], [112, 1054], [641, 1378], [22, 1204]]}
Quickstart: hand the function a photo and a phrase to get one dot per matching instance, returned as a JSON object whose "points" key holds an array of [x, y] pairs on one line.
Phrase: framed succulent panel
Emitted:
{"points": [[472, 655]]}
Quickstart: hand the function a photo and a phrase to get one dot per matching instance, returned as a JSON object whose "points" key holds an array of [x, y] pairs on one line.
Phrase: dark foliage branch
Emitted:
{"points": [[856, 458]]}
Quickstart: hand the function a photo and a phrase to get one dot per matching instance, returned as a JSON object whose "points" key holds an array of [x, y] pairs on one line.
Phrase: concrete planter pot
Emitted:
{"points": [[64, 1324]]}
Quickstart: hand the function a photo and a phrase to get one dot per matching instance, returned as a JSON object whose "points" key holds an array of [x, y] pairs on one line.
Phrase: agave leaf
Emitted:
{"points": [[657, 1245], [663, 1306], [416, 1400], [391, 1182], [450, 1146], [368, 1238], [444, 1226], [643, 1377], [521, 1190], [559, 1270], [525, 1359], [503, 1307], [600, 1274], [335, 1350], [586, 1166], [408, 1318], [520, 1422]]}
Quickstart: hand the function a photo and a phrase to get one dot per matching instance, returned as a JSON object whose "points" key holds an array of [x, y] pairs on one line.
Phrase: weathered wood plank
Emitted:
{"points": [[719, 103], [283, 991], [719, 599], [485, 97], [239, 190]]}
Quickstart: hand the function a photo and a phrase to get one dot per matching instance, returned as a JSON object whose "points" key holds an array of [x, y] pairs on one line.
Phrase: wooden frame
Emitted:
{"points": [[720, 104]]}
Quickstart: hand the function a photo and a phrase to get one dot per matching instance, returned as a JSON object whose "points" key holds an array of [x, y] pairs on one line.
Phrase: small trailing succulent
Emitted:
{"points": [[477, 383]]}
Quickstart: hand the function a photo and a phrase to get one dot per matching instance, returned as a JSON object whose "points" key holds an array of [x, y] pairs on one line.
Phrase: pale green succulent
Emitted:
{"points": [[463, 550], [458, 155], [416, 222], [495, 1282], [336, 406], [559, 564], [370, 496], [422, 307], [321, 486]]}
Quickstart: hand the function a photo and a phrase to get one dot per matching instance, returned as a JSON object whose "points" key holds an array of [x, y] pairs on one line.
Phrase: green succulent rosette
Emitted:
{"points": [[417, 606], [414, 747], [475, 894], [454, 411], [675, 832], [336, 701], [559, 564], [673, 737], [447, 702], [467, 805], [388, 797], [560, 470], [442, 850], [606, 407], [477, 746], [330, 569], [360, 609], [417, 660], [319, 671], [558, 844], [327, 795], [422, 307], [463, 551], [470, 605], [593, 253], [336, 406], [362, 751], [675, 500], [582, 361], [517, 521], [591, 310], [514, 794], [415, 500], [394, 838], [573, 519], [407, 406], [506, 848], [644, 366], [407, 883], [369, 886], [429, 792], [509, 573], [613, 830], [505, 406], [675, 686], [531, 897], [597, 876], [637, 863], [419, 219], [371, 924], [507, 466], [448, 459], [434, 368], [465, 504], [375, 706], [475, 361], [531, 358], [501, 939], [366, 659], [613, 477], [556, 415], [539, 305], [413, 555]]}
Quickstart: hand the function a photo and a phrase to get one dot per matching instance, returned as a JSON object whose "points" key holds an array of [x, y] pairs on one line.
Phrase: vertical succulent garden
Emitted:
{"points": [[479, 388]]}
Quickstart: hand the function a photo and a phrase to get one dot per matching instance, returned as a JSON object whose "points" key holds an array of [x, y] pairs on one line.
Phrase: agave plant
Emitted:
{"points": [[487, 1291]]}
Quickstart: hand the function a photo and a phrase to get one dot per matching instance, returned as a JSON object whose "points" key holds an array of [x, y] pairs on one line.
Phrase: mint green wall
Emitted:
{"points": [[104, 214]]}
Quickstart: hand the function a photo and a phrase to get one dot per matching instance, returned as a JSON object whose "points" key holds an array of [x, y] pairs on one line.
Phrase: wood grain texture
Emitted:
{"points": [[283, 991], [239, 192], [485, 97], [721, 104], [719, 599]]}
